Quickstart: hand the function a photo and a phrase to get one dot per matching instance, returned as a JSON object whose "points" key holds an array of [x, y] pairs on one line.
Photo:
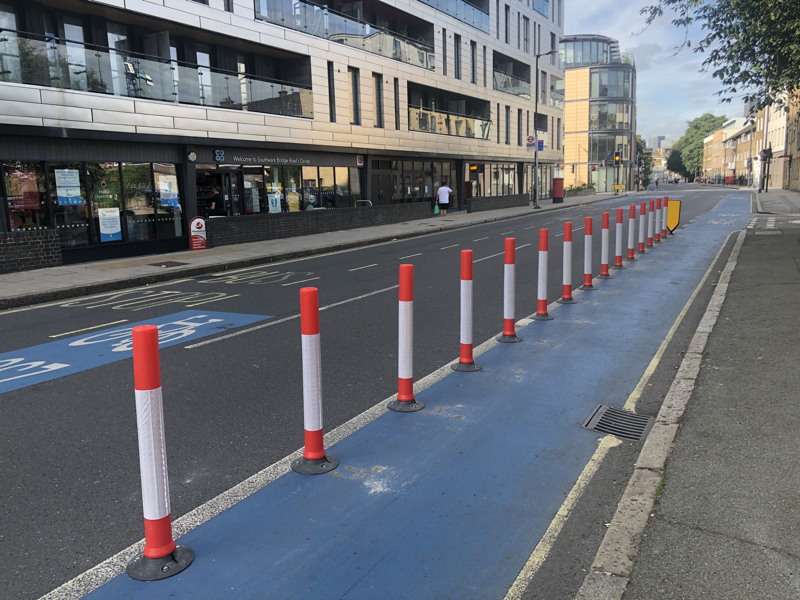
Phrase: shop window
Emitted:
{"points": [[137, 186], [310, 198], [106, 195], [169, 216], [327, 185], [342, 191], [292, 185], [69, 206], [25, 195]]}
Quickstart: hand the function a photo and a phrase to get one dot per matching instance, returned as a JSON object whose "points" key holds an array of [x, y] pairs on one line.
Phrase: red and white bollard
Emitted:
{"points": [[642, 226], [465, 359], [509, 293], [405, 401], [657, 229], [604, 237], [587, 255], [161, 557], [664, 218], [650, 223], [566, 286], [541, 296], [631, 232], [314, 460], [618, 233]]}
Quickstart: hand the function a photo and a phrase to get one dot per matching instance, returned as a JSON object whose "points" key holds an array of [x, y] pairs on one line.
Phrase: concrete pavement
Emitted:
{"points": [[711, 511]]}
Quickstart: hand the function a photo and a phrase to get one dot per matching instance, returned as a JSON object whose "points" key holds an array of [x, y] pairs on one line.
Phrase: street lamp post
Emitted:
{"points": [[536, 132]]}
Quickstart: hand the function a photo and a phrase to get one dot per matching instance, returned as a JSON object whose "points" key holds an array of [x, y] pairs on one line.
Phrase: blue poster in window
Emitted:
{"points": [[110, 227], [68, 187]]}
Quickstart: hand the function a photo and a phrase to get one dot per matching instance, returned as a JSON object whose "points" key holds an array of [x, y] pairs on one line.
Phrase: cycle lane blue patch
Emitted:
{"points": [[449, 502], [36, 364]]}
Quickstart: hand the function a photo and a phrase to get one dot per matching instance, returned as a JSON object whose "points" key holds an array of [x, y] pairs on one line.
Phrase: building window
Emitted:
{"points": [[498, 122], [396, 103], [484, 66], [508, 125], [497, 17], [355, 93], [519, 127], [444, 51], [378, 80], [331, 92], [229, 5], [526, 33], [507, 22], [473, 51], [519, 31], [457, 55]]}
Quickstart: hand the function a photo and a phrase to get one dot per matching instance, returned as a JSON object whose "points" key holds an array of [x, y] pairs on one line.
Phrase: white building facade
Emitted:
{"points": [[123, 118]]}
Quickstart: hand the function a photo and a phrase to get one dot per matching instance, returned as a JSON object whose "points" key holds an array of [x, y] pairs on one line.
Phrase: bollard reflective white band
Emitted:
{"points": [[405, 340], [632, 232], [466, 312], [312, 382], [152, 454]]}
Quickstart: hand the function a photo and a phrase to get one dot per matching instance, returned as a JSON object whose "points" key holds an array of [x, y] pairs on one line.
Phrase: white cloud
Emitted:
{"points": [[671, 90]]}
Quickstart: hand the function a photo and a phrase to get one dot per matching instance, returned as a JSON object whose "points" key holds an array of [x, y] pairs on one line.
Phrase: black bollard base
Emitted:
{"points": [[142, 568], [405, 405], [315, 467], [467, 367], [567, 301], [587, 287], [538, 317], [605, 277], [509, 339]]}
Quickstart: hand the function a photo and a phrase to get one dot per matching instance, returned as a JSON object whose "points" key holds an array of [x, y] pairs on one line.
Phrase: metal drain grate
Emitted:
{"points": [[169, 263], [621, 423]]}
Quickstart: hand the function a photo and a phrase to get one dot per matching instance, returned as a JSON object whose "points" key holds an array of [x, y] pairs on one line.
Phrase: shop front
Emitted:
{"points": [[268, 181], [102, 199]]}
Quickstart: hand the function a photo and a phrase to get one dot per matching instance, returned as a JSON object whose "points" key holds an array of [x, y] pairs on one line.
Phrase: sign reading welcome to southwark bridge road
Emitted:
{"points": [[28, 366]]}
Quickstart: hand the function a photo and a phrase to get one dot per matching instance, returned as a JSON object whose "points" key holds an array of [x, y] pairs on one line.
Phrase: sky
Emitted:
{"points": [[671, 91]]}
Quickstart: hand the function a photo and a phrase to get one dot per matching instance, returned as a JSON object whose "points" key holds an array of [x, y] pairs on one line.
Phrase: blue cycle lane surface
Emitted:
{"points": [[450, 502]]}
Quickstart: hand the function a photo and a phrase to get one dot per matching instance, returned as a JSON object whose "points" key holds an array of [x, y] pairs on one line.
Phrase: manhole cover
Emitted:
{"points": [[621, 423], [169, 263]]}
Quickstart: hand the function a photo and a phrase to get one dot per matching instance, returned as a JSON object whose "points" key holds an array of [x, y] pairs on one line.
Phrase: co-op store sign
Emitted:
{"points": [[233, 156]]}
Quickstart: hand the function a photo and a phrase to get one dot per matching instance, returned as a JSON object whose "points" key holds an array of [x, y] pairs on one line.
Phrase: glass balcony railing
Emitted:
{"points": [[512, 85], [463, 11], [444, 123], [30, 59], [321, 22]]}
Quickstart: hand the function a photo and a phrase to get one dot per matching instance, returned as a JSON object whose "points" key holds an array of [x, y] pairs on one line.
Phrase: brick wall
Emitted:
{"points": [[27, 250], [254, 228], [478, 203]]}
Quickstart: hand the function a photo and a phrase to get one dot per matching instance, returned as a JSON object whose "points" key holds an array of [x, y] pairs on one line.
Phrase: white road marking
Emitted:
{"points": [[364, 267], [88, 328]]}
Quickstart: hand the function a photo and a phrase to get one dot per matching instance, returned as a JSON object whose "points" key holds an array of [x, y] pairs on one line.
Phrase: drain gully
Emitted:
{"points": [[621, 423]]}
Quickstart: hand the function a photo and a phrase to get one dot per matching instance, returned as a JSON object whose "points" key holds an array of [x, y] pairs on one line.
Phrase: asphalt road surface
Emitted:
{"points": [[232, 379]]}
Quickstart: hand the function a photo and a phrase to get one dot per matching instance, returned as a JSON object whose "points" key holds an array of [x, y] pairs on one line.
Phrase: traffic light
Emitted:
{"points": [[617, 158]]}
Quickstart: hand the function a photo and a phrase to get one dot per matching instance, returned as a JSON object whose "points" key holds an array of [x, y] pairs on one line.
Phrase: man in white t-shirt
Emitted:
{"points": [[444, 198]]}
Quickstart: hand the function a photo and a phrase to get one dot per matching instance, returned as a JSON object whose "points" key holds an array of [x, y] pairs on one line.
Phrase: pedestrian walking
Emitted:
{"points": [[443, 195]]}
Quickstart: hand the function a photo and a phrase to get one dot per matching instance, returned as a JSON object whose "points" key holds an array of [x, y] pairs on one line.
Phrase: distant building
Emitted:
{"points": [[599, 113], [654, 141]]}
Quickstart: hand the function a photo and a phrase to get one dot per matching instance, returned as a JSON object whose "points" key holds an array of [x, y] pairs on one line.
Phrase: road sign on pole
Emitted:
{"points": [[531, 143]]}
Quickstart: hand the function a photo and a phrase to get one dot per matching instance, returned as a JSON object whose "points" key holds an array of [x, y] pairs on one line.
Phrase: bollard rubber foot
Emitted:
{"points": [[605, 277], [509, 339], [617, 267], [142, 568], [467, 367], [405, 405], [544, 317], [567, 301], [587, 287], [305, 466]]}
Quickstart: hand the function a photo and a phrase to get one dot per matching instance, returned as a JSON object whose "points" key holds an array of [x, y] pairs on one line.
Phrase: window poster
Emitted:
{"points": [[68, 187], [110, 227]]}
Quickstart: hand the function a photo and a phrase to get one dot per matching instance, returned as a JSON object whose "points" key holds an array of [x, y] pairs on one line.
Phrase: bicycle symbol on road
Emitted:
{"points": [[121, 340]]}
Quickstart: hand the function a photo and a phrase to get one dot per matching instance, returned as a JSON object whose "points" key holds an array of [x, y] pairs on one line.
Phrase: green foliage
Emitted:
{"points": [[687, 154], [751, 47], [645, 161]]}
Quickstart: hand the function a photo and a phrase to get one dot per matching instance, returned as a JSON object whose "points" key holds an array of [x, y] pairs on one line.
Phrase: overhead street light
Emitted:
{"points": [[536, 132]]}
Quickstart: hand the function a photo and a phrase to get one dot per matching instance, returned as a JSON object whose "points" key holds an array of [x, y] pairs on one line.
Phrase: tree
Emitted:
{"points": [[689, 148], [645, 163], [675, 163], [751, 47]]}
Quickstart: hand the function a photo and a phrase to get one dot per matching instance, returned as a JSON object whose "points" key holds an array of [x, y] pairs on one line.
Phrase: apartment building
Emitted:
{"points": [[599, 113], [124, 119]]}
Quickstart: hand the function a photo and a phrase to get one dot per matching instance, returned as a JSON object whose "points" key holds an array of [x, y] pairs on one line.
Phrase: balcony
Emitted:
{"points": [[466, 12], [512, 85], [445, 123], [325, 23], [52, 62]]}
